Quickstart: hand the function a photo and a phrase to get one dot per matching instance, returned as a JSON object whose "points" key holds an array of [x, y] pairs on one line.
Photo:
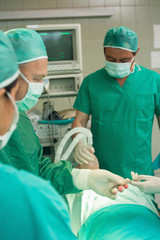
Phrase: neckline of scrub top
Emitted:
{"points": [[128, 81]]}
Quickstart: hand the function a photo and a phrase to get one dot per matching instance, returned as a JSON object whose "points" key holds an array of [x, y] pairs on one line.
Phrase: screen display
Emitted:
{"points": [[59, 44]]}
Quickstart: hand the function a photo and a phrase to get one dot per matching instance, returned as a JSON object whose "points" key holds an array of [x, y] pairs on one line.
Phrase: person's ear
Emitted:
{"points": [[2, 91], [137, 51], [14, 90]]}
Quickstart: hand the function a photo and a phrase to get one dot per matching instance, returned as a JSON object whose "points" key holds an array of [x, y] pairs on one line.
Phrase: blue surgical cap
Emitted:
{"points": [[28, 45], [8, 62], [121, 37]]}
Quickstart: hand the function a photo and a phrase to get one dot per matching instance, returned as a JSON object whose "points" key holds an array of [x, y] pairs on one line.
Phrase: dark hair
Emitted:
{"points": [[10, 86]]}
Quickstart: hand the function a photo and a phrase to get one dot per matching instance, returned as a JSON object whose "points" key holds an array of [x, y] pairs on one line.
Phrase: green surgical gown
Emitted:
{"points": [[24, 151], [31, 209], [121, 222], [122, 118]]}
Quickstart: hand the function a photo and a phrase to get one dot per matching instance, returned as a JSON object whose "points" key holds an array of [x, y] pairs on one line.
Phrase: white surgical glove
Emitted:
{"points": [[101, 181], [83, 153], [151, 184]]}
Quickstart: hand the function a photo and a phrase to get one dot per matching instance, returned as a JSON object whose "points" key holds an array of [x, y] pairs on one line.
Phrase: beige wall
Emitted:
{"points": [[140, 15]]}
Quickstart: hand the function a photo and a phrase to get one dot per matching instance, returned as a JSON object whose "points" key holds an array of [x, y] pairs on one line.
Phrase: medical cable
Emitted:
{"points": [[84, 132]]}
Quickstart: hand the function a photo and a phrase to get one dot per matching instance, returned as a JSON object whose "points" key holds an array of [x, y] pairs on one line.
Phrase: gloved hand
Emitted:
{"points": [[83, 153], [101, 181], [151, 184]]}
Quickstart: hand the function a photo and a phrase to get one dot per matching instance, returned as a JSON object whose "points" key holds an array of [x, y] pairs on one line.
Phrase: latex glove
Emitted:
{"points": [[151, 184], [101, 181], [83, 153], [90, 165]]}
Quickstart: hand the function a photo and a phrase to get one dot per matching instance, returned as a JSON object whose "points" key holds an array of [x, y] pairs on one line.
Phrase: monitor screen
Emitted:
{"points": [[59, 44]]}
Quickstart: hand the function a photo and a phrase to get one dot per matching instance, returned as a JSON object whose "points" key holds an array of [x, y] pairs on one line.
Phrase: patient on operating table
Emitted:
{"points": [[131, 216]]}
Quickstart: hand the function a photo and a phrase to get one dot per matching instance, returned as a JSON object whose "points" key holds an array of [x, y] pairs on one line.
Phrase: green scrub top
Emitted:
{"points": [[121, 222], [31, 208], [122, 118], [24, 151]]}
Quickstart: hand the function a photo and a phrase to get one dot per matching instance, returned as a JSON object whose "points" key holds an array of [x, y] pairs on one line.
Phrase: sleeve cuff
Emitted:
{"points": [[80, 178]]}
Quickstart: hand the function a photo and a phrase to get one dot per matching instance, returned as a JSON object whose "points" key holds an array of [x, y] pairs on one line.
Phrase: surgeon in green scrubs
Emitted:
{"points": [[30, 207], [122, 99], [24, 150]]}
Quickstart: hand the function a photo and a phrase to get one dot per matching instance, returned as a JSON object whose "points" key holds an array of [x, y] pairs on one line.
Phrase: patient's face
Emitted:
{"points": [[91, 165]]}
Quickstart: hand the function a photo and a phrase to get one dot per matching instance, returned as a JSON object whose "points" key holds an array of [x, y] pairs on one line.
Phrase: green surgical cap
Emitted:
{"points": [[8, 62], [28, 45], [121, 37]]}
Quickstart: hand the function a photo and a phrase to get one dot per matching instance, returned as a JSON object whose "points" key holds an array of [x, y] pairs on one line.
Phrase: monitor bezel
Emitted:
{"points": [[77, 42]]}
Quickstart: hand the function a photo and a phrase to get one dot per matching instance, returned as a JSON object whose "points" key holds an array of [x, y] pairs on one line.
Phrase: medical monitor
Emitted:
{"points": [[63, 44]]}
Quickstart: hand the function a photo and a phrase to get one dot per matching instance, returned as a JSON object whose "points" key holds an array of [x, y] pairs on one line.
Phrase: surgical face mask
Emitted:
{"points": [[31, 98], [5, 138], [118, 70]]}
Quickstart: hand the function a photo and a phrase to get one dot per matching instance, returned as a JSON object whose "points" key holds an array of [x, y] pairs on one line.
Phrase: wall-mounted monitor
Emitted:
{"points": [[64, 47]]}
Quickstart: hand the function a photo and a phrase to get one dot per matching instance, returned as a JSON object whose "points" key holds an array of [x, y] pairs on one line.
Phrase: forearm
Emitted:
{"points": [[78, 123], [59, 174], [81, 120]]}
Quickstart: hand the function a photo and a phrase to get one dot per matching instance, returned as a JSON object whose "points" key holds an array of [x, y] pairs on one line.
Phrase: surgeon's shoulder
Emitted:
{"points": [[94, 76], [152, 75], [23, 115], [23, 118], [22, 190], [24, 181], [149, 72]]}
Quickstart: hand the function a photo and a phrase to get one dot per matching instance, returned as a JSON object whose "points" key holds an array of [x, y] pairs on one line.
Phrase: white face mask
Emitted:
{"points": [[5, 138], [118, 70], [31, 98]]}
